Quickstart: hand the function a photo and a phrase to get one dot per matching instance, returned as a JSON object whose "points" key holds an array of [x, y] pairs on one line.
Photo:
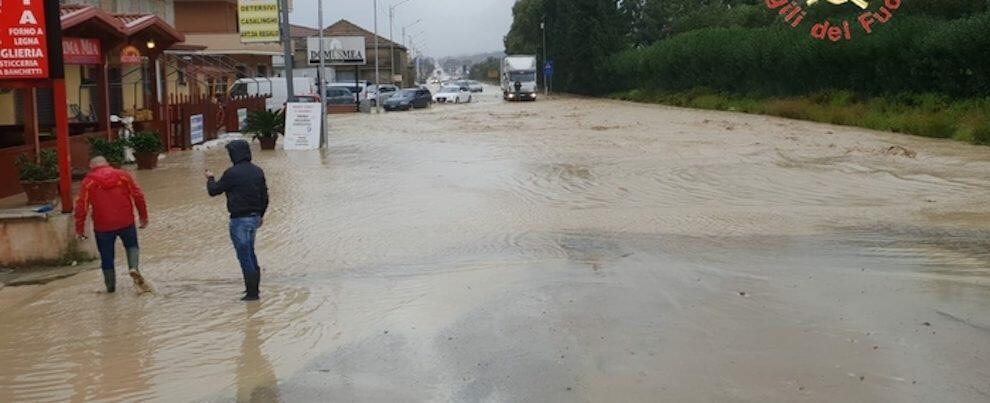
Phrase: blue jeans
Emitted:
{"points": [[106, 242], [242, 234]]}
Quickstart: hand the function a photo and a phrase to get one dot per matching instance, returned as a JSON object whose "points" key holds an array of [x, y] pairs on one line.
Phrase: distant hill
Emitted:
{"points": [[454, 64]]}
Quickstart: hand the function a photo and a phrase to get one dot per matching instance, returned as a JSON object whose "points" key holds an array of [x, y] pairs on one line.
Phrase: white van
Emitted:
{"points": [[275, 87]]}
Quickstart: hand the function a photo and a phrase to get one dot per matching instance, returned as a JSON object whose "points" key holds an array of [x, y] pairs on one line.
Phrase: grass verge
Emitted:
{"points": [[928, 115]]}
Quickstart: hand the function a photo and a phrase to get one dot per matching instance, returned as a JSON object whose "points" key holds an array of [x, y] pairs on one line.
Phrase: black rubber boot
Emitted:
{"points": [[253, 281], [110, 280]]}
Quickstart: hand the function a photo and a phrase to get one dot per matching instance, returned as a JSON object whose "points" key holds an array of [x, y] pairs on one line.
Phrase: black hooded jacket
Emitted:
{"points": [[244, 183]]}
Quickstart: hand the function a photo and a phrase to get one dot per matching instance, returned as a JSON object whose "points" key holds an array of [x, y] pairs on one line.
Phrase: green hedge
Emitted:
{"points": [[912, 54]]}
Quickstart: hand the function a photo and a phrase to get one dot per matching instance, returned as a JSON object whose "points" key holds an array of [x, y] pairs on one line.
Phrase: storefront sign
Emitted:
{"points": [[81, 51], [130, 55], [196, 129], [302, 126], [23, 42], [258, 20], [337, 50]]}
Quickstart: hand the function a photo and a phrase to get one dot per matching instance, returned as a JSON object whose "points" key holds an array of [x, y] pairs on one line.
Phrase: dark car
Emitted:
{"points": [[407, 99], [339, 96]]}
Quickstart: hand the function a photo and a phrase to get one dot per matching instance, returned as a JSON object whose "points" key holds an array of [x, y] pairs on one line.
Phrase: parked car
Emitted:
{"points": [[453, 94], [407, 99], [358, 90], [339, 96], [475, 86], [383, 91]]}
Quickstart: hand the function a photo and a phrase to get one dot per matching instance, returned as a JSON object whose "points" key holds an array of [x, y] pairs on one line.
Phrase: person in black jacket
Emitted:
{"points": [[247, 201]]}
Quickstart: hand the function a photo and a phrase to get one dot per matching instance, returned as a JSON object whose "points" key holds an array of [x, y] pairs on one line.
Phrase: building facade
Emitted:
{"points": [[303, 68]]}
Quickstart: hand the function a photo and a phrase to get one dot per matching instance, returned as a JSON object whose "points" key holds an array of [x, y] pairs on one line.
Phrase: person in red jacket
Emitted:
{"points": [[113, 195]]}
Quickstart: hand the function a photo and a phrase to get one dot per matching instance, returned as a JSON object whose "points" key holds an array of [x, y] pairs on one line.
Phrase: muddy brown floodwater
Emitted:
{"points": [[565, 250]]}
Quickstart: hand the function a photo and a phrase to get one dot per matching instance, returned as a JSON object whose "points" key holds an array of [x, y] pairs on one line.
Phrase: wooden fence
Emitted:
{"points": [[217, 116]]}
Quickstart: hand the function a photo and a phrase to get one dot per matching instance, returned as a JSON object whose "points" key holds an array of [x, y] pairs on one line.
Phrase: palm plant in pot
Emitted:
{"points": [[147, 146], [266, 126], [39, 179]]}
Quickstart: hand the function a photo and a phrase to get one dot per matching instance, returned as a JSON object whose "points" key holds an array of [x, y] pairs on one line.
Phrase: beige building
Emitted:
{"points": [[303, 68]]}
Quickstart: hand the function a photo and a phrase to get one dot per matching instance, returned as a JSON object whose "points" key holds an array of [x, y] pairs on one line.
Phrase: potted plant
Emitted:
{"points": [[39, 179], [147, 146], [113, 151], [266, 126]]}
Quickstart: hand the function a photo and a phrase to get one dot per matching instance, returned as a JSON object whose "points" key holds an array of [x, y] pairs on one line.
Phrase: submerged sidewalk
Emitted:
{"points": [[43, 275]]}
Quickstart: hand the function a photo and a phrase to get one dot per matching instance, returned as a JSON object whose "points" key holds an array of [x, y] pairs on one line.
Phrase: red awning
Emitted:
{"points": [[79, 17]]}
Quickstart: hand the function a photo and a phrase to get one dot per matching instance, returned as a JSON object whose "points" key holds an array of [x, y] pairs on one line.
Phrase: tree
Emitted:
{"points": [[580, 37]]}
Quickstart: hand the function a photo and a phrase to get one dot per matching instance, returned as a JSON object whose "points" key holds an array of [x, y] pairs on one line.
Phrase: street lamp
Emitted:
{"points": [[378, 80], [406, 27], [404, 35], [546, 82], [391, 26]]}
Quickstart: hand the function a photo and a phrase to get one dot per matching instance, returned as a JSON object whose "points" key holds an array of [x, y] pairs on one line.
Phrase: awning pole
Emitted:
{"points": [[60, 102]]}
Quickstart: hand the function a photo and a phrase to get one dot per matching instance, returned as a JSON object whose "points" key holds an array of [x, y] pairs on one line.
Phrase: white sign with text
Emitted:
{"points": [[196, 129], [302, 126]]}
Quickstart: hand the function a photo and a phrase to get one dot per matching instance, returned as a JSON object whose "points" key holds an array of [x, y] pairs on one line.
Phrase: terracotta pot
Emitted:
{"points": [[268, 143], [146, 160], [41, 192]]}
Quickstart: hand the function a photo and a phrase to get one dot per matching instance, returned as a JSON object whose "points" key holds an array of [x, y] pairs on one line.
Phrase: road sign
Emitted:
{"points": [[548, 69], [23, 41]]}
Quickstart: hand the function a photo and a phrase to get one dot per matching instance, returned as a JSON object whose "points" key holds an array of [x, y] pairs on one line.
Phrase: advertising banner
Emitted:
{"points": [[258, 20], [23, 40], [302, 126]]}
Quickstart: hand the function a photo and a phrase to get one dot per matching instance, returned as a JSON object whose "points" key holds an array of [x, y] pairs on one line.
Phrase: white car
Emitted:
{"points": [[475, 86], [384, 90], [453, 94]]}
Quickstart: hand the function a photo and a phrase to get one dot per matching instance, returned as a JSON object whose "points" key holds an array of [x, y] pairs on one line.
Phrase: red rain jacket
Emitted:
{"points": [[113, 195]]}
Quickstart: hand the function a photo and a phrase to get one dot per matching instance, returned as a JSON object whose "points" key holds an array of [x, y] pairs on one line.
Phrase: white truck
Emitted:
{"points": [[274, 87], [519, 78]]}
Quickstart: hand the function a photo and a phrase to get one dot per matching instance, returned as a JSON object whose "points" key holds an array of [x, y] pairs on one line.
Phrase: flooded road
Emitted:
{"points": [[564, 250]]}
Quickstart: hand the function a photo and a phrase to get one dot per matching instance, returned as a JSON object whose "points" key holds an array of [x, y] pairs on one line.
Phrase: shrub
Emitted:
{"points": [[44, 170], [113, 151], [146, 142]]}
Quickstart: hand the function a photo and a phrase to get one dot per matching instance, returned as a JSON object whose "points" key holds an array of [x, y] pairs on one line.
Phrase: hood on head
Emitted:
{"points": [[105, 177], [239, 150]]}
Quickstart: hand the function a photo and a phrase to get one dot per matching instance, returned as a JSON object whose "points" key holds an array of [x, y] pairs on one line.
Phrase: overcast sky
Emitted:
{"points": [[450, 27]]}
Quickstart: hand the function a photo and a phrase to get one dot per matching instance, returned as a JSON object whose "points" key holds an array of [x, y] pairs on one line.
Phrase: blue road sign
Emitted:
{"points": [[548, 69]]}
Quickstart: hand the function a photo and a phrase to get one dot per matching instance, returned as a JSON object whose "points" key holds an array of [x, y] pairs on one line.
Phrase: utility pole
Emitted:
{"points": [[324, 134], [546, 80], [391, 39], [404, 44], [378, 80], [287, 49]]}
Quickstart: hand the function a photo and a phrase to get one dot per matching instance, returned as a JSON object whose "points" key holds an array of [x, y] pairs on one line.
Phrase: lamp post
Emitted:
{"points": [[404, 33], [546, 80], [287, 49], [391, 39], [378, 80], [324, 140]]}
